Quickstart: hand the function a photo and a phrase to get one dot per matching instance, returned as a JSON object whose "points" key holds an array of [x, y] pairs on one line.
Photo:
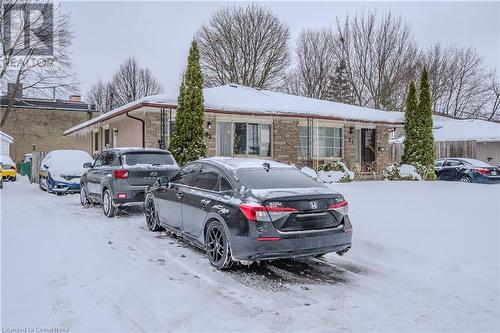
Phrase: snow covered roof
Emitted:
{"points": [[5, 137], [240, 99], [449, 129]]}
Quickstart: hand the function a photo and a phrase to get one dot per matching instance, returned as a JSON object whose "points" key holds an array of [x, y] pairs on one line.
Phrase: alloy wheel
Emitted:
{"points": [[151, 215], [215, 244], [464, 180], [107, 204]]}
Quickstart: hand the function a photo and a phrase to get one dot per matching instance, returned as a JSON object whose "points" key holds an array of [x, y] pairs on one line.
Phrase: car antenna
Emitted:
{"points": [[267, 166]]}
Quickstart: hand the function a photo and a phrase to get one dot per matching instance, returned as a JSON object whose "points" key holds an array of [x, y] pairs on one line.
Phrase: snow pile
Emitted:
{"points": [[64, 165], [402, 172], [331, 172]]}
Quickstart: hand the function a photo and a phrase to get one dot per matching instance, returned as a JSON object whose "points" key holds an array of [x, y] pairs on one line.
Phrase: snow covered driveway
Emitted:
{"points": [[425, 257]]}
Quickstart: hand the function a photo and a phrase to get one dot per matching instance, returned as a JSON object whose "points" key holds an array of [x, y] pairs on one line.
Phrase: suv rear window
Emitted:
{"points": [[275, 178], [147, 159]]}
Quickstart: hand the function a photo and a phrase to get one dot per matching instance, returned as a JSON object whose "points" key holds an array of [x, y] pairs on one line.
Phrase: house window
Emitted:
{"points": [[96, 141], [329, 142], [304, 142], [106, 138], [243, 139]]}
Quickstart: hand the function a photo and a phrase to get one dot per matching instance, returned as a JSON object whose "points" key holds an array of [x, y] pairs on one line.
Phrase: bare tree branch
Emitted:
{"points": [[246, 45]]}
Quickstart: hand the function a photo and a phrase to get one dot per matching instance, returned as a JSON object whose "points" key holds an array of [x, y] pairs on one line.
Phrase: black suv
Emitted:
{"points": [[121, 175], [249, 210]]}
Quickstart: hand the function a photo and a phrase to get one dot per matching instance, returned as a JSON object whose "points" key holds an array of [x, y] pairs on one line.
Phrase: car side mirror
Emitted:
{"points": [[163, 181], [45, 166], [87, 165]]}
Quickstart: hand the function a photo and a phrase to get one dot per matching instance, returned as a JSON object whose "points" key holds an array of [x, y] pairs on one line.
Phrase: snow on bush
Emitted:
{"points": [[331, 172], [402, 172]]}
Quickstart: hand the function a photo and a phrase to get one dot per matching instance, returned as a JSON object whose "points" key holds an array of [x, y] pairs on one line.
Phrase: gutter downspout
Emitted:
{"points": [[143, 129]]}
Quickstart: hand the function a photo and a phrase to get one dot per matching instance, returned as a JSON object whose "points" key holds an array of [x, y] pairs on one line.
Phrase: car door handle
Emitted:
{"points": [[205, 202]]}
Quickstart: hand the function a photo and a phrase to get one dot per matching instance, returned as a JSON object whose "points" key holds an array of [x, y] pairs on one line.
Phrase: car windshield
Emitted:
{"points": [[275, 178], [147, 159]]}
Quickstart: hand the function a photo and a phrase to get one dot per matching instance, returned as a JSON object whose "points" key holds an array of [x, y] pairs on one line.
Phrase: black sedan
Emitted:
{"points": [[244, 210], [466, 170]]}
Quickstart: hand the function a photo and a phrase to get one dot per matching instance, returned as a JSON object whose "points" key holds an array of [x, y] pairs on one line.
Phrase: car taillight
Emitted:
{"points": [[254, 212], [120, 173], [340, 207], [482, 171]]}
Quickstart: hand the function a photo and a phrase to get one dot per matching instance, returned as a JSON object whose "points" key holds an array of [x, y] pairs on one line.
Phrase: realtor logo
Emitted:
{"points": [[28, 29], [313, 204]]}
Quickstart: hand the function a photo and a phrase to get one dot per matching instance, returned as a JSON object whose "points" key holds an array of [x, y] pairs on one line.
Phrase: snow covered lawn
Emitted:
{"points": [[425, 257]]}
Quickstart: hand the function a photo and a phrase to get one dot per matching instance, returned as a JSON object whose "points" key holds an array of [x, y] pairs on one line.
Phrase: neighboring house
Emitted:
{"points": [[247, 122], [5, 142], [41, 122], [468, 138]]}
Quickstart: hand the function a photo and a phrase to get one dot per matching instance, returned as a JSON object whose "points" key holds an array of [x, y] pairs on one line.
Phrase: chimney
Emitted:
{"points": [[12, 86], [75, 98]]}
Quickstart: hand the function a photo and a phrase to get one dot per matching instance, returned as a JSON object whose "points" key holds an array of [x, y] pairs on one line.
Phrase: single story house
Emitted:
{"points": [[5, 142], [247, 122], [469, 138]]}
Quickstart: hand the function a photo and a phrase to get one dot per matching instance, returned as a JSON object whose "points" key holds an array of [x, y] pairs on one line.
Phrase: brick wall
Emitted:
{"points": [[349, 146], [285, 140], [152, 129], [43, 127], [382, 149], [210, 134]]}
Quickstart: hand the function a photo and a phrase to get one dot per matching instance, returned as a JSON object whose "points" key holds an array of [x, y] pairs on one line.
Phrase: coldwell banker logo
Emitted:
{"points": [[28, 33]]}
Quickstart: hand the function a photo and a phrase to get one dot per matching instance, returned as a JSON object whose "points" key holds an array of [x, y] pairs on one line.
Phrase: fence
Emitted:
{"points": [[36, 162], [442, 149]]}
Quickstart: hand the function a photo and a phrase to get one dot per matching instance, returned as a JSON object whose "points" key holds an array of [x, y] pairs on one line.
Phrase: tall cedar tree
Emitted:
{"points": [[187, 142], [410, 155], [339, 89], [424, 121]]}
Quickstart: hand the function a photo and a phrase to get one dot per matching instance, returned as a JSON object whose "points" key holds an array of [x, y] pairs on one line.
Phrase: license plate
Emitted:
{"points": [[494, 173]]}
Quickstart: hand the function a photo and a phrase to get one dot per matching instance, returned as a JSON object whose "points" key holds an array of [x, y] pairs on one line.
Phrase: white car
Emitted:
{"points": [[61, 170]]}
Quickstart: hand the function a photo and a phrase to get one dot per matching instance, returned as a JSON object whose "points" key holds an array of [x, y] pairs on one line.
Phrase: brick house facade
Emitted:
{"points": [[291, 137]]}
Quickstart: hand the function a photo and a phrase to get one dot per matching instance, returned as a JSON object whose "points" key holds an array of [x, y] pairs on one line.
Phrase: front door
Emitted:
{"points": [[368, 149]]}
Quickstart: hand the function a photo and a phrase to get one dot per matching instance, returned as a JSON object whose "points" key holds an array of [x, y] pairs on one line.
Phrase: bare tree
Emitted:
{"points": [[35, 50], [246, 45], [128, 84], [316, 63], [381, 57], [460, 83], [101, 94], [132, 82], [494, 98]]}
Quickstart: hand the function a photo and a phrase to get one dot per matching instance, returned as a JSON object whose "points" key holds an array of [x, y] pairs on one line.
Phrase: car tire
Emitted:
{"points": [[107, 204], [14, 178], [84, 200], [217, 246], [40, 185], [464, 179], [152, 220]]}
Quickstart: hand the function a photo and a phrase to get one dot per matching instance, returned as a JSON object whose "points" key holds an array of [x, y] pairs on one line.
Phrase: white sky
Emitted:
{"points": [[158, 34]]}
